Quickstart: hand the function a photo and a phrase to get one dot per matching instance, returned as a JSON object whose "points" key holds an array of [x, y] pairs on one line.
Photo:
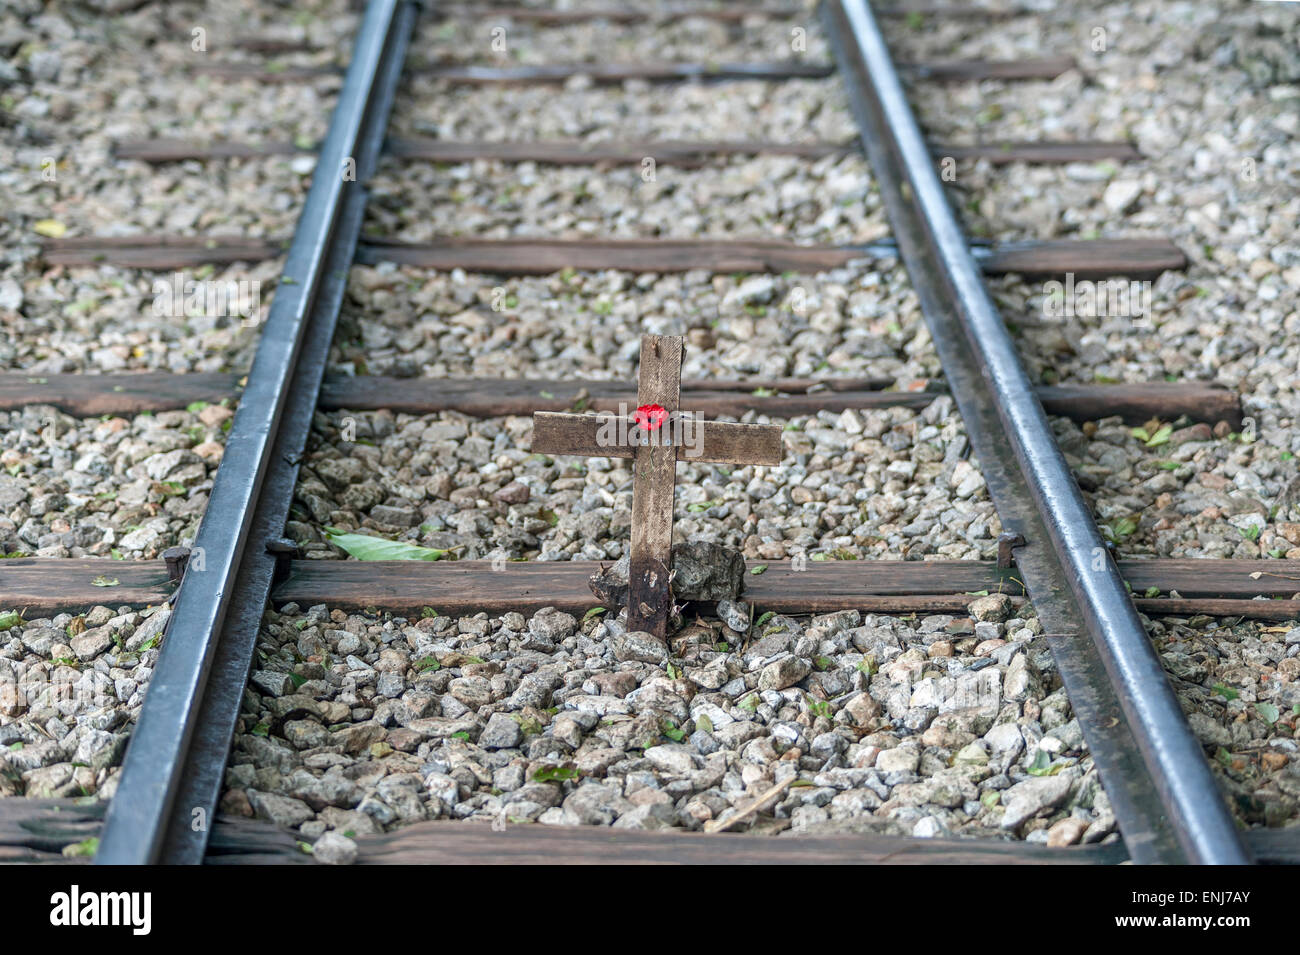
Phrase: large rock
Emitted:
{"points": [[701, 571]]}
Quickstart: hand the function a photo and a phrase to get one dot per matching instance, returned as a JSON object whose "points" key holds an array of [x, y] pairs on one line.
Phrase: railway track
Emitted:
{"points": [[1166, 801]]}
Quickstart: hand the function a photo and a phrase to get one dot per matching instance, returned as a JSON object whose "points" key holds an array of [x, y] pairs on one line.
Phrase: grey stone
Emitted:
{"points": [[501, 732], [596, 805], [334, 848], [284, 811], [735, 615], [639, 645], [1025, 799], [672, 758], [783, 673], [272, 682]]}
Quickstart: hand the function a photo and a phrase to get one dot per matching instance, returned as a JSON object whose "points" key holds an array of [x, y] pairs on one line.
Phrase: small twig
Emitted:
{"points": [[726, 822]]}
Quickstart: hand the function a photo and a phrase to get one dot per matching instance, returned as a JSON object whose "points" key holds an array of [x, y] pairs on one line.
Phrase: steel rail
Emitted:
{"points": [[163, 808], [1165, 799]]}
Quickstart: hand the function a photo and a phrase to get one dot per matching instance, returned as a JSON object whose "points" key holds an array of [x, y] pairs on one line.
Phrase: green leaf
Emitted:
{"points": [[426, 664], [551, 774], [758, 569], [84, 848], [672, 731], [102, 581], [1227, 692], [765, 618], [1268, 712], [365, 547], [10, 619], [462, 736], [261, 729], [1041, 766], [702, 722], [1161, 436], [593, 612]]}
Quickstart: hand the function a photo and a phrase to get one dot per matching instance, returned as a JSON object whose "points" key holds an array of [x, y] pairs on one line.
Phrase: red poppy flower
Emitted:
{"points": [[650, 417]]}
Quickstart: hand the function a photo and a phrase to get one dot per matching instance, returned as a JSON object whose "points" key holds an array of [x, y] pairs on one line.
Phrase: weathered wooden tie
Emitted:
{"points": [[1209, 586], [134, 392], [1085, 259], [1090, 259], [1045, 68], [578, 152], [39, 830]]}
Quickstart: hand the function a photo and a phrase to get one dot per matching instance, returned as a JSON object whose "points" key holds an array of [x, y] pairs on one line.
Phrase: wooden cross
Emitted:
{"points": [[657, 436]]}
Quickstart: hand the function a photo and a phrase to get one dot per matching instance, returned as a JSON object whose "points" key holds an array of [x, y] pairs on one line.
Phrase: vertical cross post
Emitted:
{"points": [[649, 601]]}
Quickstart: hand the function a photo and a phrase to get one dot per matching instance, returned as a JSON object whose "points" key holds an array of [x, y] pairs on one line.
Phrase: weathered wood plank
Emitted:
{"points": [[1098, 258], [1044, 153], [717, 442], [1141, 402], [727, 13], [471, 74], [1091, 259], [159, 251], [491, 397], [44, 585], [1086, 258], [578, 152], [175, 150], [527, 256], [37, 831], [452, 843], [126, 393], [133, 392], [1214, 587], [1029, 68], [659, 382], [1213, 607]]}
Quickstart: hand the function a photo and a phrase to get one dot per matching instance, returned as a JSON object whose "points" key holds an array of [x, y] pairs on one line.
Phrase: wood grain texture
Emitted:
{"points": [[1135, 403], [176, 150], [133, 392], [1091, 259], [659, 382], [526, 256], [37, 830], [579, 152], [726, 13], [1041, 153], [126, 393], [1214, 587], [42, 585], [1086, 258], [1045, 68], [159, 251], [718, 442], [1028, 68]]}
